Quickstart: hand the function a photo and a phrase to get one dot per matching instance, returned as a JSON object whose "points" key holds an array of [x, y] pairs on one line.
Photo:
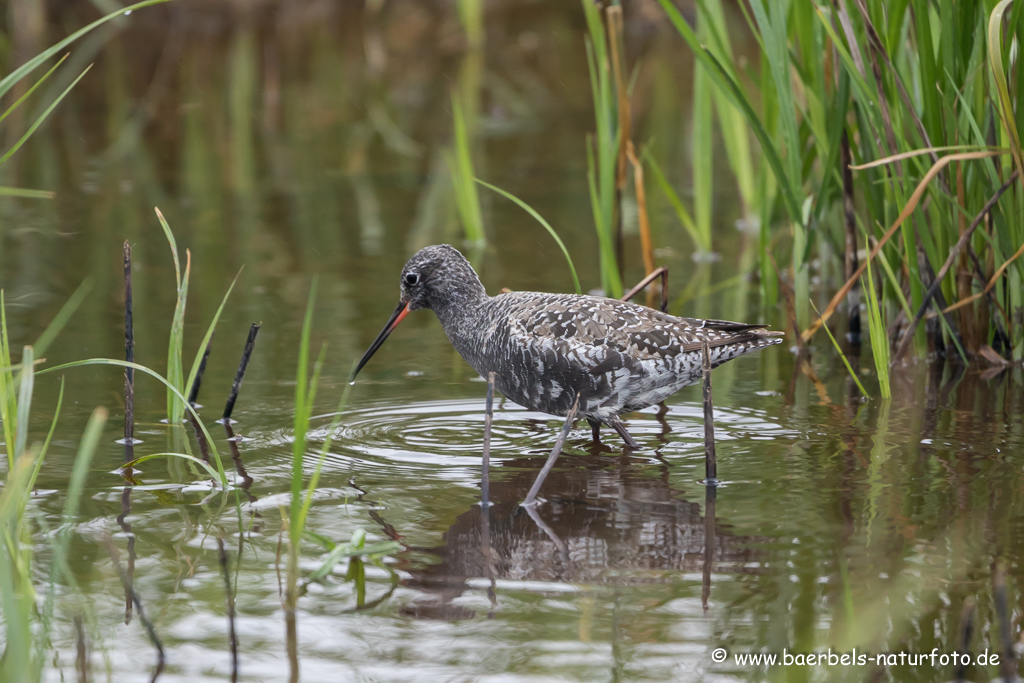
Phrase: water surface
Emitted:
{"points": [[310, 142]]}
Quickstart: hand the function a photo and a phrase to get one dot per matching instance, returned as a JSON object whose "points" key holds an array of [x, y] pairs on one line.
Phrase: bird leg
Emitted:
{"points": [[485, 485], [621, 429], [595, 429], [531, 497], [485, 475]]}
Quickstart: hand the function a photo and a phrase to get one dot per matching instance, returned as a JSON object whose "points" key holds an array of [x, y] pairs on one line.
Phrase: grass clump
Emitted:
{"points": [[903, 86]]}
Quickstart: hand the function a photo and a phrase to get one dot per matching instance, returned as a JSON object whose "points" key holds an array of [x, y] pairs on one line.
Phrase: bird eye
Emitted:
{"points": [[411, 279]]}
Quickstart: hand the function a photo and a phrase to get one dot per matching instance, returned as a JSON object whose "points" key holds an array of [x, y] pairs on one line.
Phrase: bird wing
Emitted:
{"points": [[636, 331]]}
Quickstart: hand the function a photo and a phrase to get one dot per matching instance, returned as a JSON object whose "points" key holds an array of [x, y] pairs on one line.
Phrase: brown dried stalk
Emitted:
{"points": [[949, 263], [911, 205]]}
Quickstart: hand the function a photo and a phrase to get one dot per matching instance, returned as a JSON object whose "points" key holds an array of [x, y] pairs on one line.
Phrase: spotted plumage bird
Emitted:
{"points": [[566, 354]]}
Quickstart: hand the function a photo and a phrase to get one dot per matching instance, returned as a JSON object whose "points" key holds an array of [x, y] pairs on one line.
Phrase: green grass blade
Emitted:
{"points": [[62, 317], [547, 226], [31, 65], [6, 191], [314, 480], [734, 92], [471, 15], [734, 129], [31, 90], [702, 154], [176, 341], [206, 338], [174, 245], [842, 356], [49, 436], [303, 408], [461, 168], [995, 57], [26, 384], [673, 198], [183, 456], [773, 31], [610, 281], [59, 567], [8, 399], [602, 169], [221, 475], [42, 117], [80, 470], [877, 330], [16, 598]]}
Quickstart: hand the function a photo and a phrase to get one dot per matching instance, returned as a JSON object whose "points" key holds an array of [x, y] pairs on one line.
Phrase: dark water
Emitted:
{"points": [[308, 140]]}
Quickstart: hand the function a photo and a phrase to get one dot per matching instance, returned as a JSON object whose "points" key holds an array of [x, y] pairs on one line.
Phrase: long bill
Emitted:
{"points": [[400, 312]]}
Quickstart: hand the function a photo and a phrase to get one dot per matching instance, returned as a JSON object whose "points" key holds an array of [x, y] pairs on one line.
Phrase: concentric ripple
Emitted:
{"points": [[450, 432], [446, 432]]}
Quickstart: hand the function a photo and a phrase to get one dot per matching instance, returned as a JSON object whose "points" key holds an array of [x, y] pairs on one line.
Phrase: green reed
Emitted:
{"points": [[460, 165], [178, 384], [305, 394], [306, 384], [25, 644], [877, 331], [22, 658], [906, 84], [603, 148], [471, 15]]}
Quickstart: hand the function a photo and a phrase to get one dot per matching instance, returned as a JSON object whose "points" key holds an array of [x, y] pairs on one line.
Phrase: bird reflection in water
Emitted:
{"points": [[608, 518]]}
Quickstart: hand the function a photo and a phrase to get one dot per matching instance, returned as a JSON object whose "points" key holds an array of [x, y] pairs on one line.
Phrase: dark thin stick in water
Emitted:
{"points": [[150, 631], [1008, 660], [661, 272], [126, 494], [204, 445], [236, 458], [194, 393], [129, 417], [966, 632], [531, 497], [129, 355], [126, 528], [237, 384], [710, 459], [954, 252], [81, 656], [231, 608], [485, 475], [710, 499], [129, 337], [292, 644]]}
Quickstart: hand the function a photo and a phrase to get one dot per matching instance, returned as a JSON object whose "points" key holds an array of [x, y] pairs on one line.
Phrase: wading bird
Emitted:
{"points": [[565, 354]]}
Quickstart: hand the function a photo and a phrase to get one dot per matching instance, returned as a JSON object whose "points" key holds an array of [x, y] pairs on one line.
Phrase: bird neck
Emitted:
{"points": [[460, 312], [460, 302]]}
